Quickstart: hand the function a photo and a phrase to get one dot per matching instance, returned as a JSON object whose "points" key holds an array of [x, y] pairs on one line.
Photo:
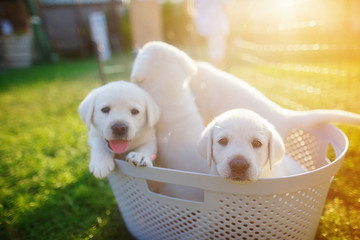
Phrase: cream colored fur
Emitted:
{"points": [[163, 71], [244, 146], [121, 98], [216, 91]]}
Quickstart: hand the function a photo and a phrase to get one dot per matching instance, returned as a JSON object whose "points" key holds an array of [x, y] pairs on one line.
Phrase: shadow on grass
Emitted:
{"points": [[83, 210]]}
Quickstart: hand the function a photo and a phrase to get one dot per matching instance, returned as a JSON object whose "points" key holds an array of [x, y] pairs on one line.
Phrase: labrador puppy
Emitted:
{"points": [[120, 117], [244, 147], [216, 91], [164, 71]]}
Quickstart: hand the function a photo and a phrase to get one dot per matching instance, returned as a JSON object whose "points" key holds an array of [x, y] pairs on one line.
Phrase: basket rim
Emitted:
{"points": [[265, 186]]}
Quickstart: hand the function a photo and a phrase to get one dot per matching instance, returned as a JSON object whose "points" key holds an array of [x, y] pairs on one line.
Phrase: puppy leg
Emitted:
{"points": [[143, 156], [101, 160], [314, 117], [139, 159]]}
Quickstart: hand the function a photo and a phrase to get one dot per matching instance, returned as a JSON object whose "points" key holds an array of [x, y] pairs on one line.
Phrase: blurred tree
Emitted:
{"points": [[42, 44], [176, 22]]}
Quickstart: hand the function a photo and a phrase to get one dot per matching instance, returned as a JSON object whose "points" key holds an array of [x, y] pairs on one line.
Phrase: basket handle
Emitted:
{"points": [[269, 186]]}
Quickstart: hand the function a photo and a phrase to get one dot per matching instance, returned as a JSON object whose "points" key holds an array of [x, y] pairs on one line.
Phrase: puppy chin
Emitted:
{"points": [[252, 174], [228, 174], [242, 177]]}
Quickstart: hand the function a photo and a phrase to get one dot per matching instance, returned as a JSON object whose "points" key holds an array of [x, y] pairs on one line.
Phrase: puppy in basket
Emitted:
{"points": [[244, 146], [163, 71], [216, 91], [120, 117]]}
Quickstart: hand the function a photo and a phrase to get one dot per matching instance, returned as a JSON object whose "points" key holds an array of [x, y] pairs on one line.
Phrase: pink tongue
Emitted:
{"points": [[119, 146]]}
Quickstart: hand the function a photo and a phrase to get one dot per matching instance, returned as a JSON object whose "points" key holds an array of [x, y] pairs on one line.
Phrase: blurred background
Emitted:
{"points": [[280, 31], [302, 54]]}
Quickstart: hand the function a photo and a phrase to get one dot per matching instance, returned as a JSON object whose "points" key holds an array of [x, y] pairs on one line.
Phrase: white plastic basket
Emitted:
{"points": [[278, 208]]}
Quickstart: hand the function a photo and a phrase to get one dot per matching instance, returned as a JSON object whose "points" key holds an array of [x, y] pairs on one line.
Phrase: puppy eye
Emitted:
{"points": [[134, 111], [105, 109], [223, 141], [256, 143]]}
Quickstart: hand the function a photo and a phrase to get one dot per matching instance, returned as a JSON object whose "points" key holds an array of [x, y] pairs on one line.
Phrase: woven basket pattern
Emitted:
{"points": [[223, 215]]}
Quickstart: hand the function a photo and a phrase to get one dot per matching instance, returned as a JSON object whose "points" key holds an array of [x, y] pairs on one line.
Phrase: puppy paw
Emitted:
{"points": [[139, 159], [101, 169]]}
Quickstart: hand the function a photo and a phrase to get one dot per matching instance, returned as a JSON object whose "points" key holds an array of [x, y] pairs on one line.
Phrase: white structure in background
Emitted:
{"points": [[99, 34], [15, 49]]}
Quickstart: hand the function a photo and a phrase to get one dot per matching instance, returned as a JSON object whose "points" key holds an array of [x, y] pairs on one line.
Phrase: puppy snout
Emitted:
{"points": [[239, 165], [120, 129]]}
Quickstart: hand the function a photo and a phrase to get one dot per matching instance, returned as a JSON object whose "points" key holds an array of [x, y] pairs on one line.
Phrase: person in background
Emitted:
{"points": [[212, 23]]}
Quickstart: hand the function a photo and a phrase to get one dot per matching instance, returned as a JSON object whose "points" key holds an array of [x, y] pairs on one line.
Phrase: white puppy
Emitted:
{"points": [[163, 71], [216, 91], [245, 146], [120, 117]]}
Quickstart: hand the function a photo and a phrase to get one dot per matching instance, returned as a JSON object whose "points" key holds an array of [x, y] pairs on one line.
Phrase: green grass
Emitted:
{"points": [[46, 190]]}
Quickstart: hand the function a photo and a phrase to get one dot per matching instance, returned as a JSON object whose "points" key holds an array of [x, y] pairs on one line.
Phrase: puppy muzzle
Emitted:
{"points": [[239, 169], [120, 130], [118, 142]]}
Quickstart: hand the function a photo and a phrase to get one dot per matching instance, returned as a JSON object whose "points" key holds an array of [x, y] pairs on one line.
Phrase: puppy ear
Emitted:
{"points": [[139, 69], [152, 112], [276, 147], [205, 145], [86, 108], [137, 74]]}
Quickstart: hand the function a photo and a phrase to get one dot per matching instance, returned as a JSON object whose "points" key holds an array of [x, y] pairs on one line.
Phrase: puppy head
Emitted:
{"points": [[119, 111], [240, 143], [158, 63]]}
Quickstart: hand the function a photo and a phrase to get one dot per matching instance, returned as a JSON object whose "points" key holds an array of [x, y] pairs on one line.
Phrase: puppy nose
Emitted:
{"points": [[239, 165], [119, 129]]}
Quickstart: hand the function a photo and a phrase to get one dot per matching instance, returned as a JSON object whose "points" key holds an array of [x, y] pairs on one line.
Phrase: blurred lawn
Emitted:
{"points": [[46, 190]]}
